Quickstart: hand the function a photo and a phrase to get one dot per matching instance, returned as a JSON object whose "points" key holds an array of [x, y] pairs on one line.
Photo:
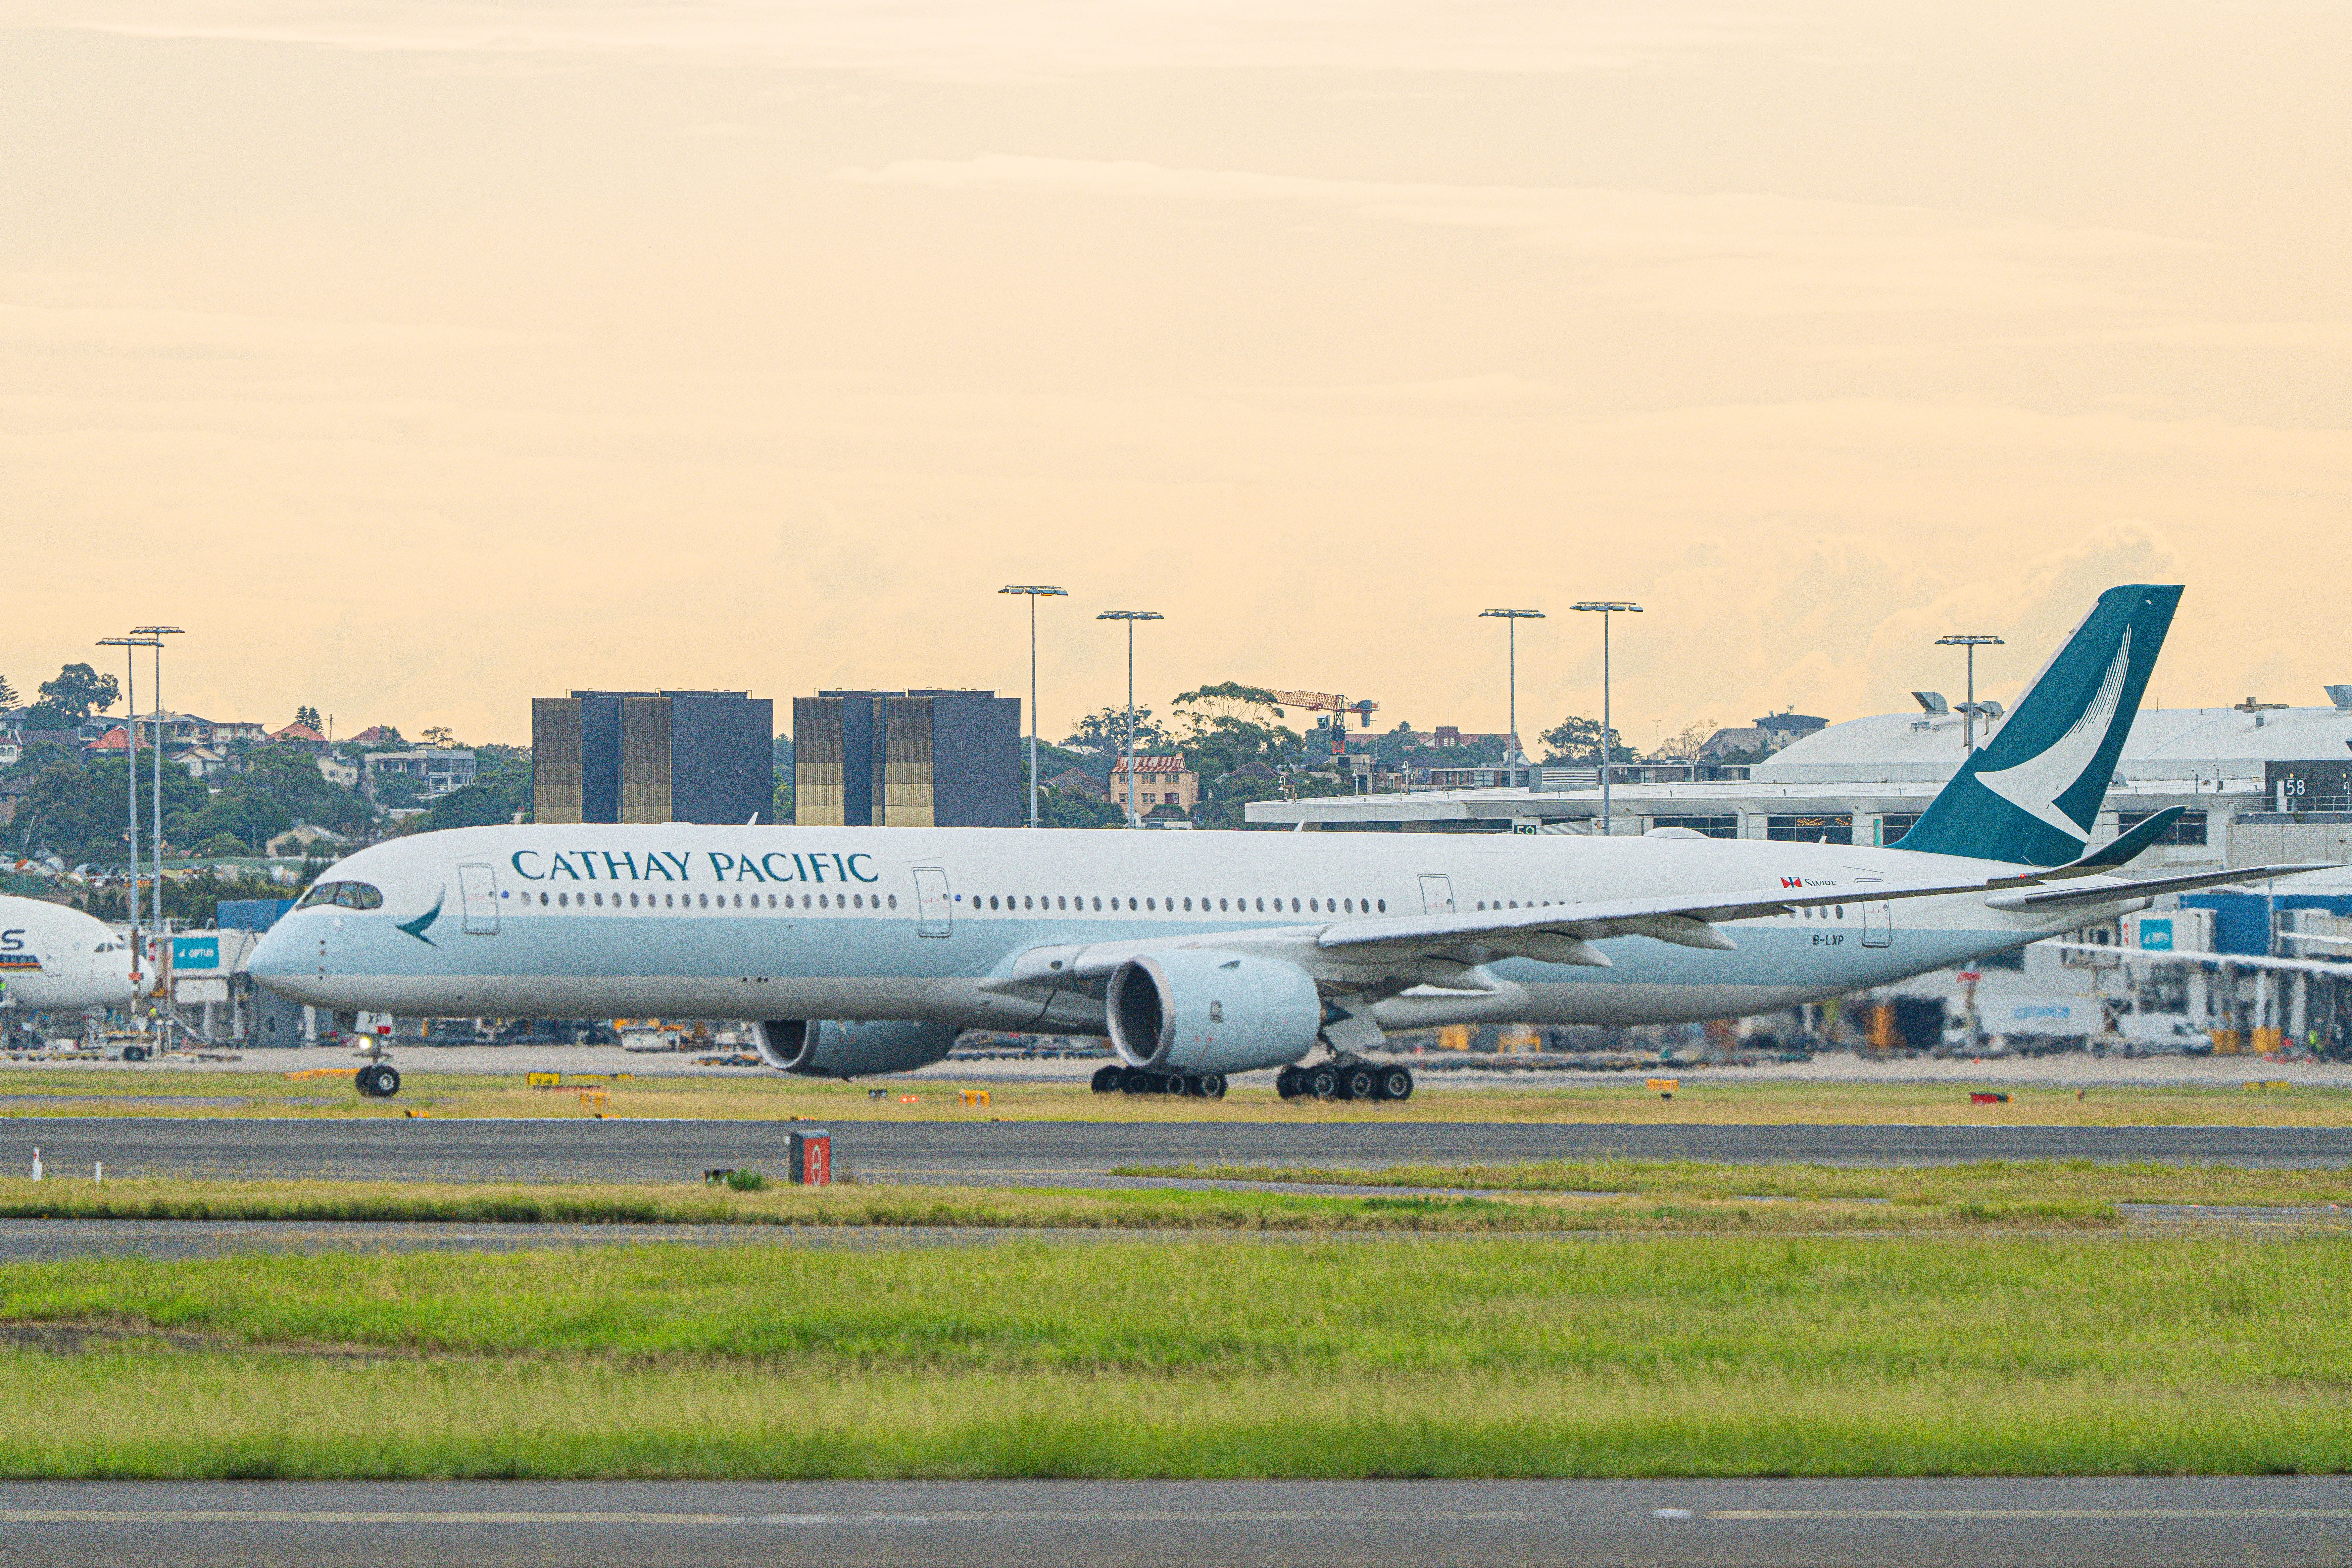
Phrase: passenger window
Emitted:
{"points": [[894, 901], [1384, 906], [563, 899], [1151, 904]]}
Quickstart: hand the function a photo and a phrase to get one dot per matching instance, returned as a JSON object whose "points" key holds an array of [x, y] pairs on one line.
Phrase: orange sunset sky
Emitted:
{"points": [[422, 357]]}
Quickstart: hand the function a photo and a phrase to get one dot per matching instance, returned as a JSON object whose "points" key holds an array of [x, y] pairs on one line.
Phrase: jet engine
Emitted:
{"points": [[827, 1048], [1190, 1010]]}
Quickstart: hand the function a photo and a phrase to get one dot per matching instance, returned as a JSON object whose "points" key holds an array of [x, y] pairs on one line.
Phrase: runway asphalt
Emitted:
{"points": [[1046, 1153], [2145, 1523]]}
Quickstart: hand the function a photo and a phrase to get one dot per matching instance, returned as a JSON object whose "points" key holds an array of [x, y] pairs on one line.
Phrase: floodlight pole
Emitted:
{"points": [[156, 635], [1971, 641], [1606, 607], [130, 777], [1033, 591], [1511, 619], [1130, 618]]}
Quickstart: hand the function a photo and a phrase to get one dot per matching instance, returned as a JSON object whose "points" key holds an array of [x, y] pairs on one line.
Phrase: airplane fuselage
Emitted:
{"points": [[54, 959], [689, 920]]}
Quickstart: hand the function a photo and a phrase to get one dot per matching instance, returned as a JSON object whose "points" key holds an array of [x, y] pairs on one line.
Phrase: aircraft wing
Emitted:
{"points": [[1564, 932], [2076, 894]]}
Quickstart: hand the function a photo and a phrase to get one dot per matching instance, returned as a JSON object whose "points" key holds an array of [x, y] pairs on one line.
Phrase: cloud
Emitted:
{"points": [[945, 40], [1735, 253]]}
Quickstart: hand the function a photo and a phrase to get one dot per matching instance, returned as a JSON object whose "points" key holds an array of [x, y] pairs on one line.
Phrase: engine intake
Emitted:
{"points": [[1190, 1010], [830, 1049]]}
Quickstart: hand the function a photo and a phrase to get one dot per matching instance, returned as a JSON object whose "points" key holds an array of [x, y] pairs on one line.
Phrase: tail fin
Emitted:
{"points": [[2030, 797]]}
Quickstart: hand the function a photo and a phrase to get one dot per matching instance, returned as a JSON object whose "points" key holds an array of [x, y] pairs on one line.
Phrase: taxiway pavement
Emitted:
{"points": [[1054, 1153], [2142, 1522]]}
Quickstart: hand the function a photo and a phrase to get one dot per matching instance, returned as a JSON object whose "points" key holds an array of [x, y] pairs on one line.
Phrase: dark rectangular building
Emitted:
{"points": [[651, 756], [907, 759]]}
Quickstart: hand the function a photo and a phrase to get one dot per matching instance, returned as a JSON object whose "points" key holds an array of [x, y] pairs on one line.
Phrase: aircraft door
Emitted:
{"points": [[53, 961], [1436, 894], [478, 888], [1878, 925], [934, 907]]}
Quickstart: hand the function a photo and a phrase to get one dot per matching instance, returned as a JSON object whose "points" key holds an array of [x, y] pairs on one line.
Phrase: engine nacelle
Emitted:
{"points": [[828, 1049], [1195, 1010]]}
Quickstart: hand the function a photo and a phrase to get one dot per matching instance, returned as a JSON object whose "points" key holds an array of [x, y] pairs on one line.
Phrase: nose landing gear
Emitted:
{"points": [[1345, 1078], [377, 1077]]}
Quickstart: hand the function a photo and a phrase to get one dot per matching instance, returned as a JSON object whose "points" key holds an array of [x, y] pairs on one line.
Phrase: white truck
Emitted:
{"points": [[2162, 1034], [2027, 1025]]}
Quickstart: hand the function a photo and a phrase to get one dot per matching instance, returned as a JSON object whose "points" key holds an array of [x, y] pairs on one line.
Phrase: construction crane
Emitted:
{"points": [[1338, 707]]}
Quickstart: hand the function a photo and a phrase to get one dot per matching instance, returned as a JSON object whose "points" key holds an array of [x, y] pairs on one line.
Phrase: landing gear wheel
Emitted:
{"points": [[1210, 1086], [1396, 1083], [1323, 1083], [1358, 1083], [380, 1081], [1288, 1085], [1107, 1079]]}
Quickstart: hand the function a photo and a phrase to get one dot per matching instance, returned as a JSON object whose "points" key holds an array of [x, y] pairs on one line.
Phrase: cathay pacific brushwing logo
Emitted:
{"points": [[2034, 786], [415, 928]]}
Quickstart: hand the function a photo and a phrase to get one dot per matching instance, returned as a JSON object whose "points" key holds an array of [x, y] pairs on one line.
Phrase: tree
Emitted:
{"points": [[1685, 743], [1105, 733], [77, 693], [8, 698], [498, 791], [1577, 740], [439, 735], [308, 715]]}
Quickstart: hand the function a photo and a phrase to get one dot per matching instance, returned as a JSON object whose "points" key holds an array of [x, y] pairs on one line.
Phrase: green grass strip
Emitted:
{"points": [[1633, 1355]]}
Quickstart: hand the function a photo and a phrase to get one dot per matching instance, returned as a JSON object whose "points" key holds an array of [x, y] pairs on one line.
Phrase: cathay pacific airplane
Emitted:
{"points": [[54, 960], [856, 951]]}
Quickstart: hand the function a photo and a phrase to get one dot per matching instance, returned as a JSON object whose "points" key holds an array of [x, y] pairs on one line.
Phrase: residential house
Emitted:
{"points": [[1159, 780], [203, 762], [339, 771], [301, 736], [436, 770], [12, 747], [378, 736], [1078, 783], [114, 742], [229, 732], [1772, 732], [12, 796]]}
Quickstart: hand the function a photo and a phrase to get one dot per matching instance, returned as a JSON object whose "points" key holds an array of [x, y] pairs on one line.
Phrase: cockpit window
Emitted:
{"points": [[345, 895]]}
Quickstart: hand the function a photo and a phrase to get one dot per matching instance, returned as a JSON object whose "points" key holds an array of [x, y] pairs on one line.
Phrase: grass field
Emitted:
{"points": [[1006, 1208], [167, 1090], [1996, 1182], [1636, 1356]]}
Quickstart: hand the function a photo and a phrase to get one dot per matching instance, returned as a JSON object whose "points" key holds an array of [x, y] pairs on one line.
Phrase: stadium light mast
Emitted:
{"points": [[1033, 591], [1130, 618], [155, 636], [130, 775], [1605, 608], [1511, 619], [1971, 641]]}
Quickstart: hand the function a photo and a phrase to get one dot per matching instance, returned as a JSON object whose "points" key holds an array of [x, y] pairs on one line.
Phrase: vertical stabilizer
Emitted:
{"points": [[2032, 794]]}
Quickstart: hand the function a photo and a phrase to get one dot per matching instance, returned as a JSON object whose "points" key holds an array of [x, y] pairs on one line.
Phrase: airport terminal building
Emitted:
{"points": [[2259, 784]]}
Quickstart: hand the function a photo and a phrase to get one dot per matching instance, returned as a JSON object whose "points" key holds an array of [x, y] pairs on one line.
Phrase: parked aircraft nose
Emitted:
{"points": [[276, 956]]}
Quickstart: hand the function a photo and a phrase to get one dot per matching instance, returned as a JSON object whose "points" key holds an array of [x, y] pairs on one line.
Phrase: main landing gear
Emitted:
{"points": [[1345, 1078], [1137, 1080]]}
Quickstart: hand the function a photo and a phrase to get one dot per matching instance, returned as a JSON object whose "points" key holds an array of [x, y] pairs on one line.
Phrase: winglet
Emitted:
{"points": [[2128, 846]]}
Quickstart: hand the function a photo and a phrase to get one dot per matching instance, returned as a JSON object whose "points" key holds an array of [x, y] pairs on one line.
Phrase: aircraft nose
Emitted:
{"points": [[274, 957]]}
